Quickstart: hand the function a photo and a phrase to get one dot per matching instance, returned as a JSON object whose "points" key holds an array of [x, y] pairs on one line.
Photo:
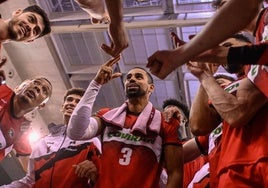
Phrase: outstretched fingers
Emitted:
{"points": [[113, 61], [176, 41], [116, 75], [111, 50]]}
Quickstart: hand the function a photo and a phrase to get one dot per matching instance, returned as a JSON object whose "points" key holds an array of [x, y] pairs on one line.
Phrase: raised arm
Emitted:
{"points": [[95, 9], [203, 118], [81, 125], [236, 110], [118, 35], [174, 165], [239, 13]]}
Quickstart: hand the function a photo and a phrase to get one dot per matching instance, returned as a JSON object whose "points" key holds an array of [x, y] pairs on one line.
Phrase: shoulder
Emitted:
{"points": [[102, 111]]}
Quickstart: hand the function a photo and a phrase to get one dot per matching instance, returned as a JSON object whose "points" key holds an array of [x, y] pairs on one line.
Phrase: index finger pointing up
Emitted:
{"points": [[112, 61]]}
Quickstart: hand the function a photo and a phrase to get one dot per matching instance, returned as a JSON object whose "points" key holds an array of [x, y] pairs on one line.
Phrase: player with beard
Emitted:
{"points": [[25, 25], [135, 138], [29, 95]]}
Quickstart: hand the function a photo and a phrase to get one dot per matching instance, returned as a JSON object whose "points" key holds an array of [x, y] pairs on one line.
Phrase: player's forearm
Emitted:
{"points": [[79, 126], [115, 10], [175, 180], [174, 165], [201, 112], [229, 107], [190, 150], [239, 13], [95, 8]]}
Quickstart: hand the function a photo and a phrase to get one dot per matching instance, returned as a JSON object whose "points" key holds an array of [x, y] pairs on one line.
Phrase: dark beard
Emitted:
{"points": [[12, 34], [135, 93]]}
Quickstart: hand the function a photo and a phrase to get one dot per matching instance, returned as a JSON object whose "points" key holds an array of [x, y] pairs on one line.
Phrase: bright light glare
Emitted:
{"points": [[33, 137]]}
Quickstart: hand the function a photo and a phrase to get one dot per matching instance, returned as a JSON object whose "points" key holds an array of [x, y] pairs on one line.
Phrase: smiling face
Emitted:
{"points": [[33, 93], [69, 104], [138, 83], [25, 26]]}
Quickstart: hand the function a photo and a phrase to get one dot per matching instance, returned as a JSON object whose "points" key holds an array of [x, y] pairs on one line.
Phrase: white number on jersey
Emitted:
{"points": [[125, 160]]}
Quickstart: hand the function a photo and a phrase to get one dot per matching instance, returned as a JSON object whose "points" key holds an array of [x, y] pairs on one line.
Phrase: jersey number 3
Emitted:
{"points": [[125, 160]]}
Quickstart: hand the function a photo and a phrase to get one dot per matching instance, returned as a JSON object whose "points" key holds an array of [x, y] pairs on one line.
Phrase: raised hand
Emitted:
{"points": [[176, 41], [163, 62], [199, 69], [96, 10], [119, 39], [171, 111], [105, 73]]}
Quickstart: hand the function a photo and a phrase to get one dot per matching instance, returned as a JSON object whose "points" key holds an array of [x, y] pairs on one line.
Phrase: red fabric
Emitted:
{"points": [[10, 126], [240, 147], [262, 22], [204, 142], [191, 168], [258, 74], [204, 183], [252, 175], [133, 158], [63, 165]]}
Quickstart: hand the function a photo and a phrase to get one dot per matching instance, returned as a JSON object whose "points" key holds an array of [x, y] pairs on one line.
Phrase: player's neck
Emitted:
{"points": [[137, 105]]}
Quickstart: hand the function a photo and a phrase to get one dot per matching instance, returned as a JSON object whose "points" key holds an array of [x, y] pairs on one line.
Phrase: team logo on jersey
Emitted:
{"points": [[232, 87], [130, 137]]}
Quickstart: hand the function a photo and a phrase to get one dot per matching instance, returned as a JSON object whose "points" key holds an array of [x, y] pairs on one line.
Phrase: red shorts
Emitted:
{"points": [[245, 176]]}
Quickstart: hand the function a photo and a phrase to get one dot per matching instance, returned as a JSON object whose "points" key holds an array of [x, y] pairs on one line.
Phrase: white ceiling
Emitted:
{"points": [[70, 56]]}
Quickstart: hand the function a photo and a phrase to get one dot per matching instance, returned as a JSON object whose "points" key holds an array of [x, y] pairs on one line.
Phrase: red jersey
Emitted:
{"points": [[52, 159], [10, 127], [260, 32], [259, 74], [244, 145], [133, 161]]}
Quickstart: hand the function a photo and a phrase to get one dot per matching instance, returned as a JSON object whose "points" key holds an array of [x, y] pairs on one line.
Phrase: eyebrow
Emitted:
{"points": [[43, 85], [34, 17], [227, 44], [37, 23]]}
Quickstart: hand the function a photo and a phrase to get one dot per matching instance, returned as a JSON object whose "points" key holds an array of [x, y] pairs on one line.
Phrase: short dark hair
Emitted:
{"points": [[177, 103], [76, 91], [150, 78], [43, 14]]}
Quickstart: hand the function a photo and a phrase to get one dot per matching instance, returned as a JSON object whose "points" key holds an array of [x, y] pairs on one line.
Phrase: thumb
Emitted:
{"points": [[116, 75], [106, 48]]}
